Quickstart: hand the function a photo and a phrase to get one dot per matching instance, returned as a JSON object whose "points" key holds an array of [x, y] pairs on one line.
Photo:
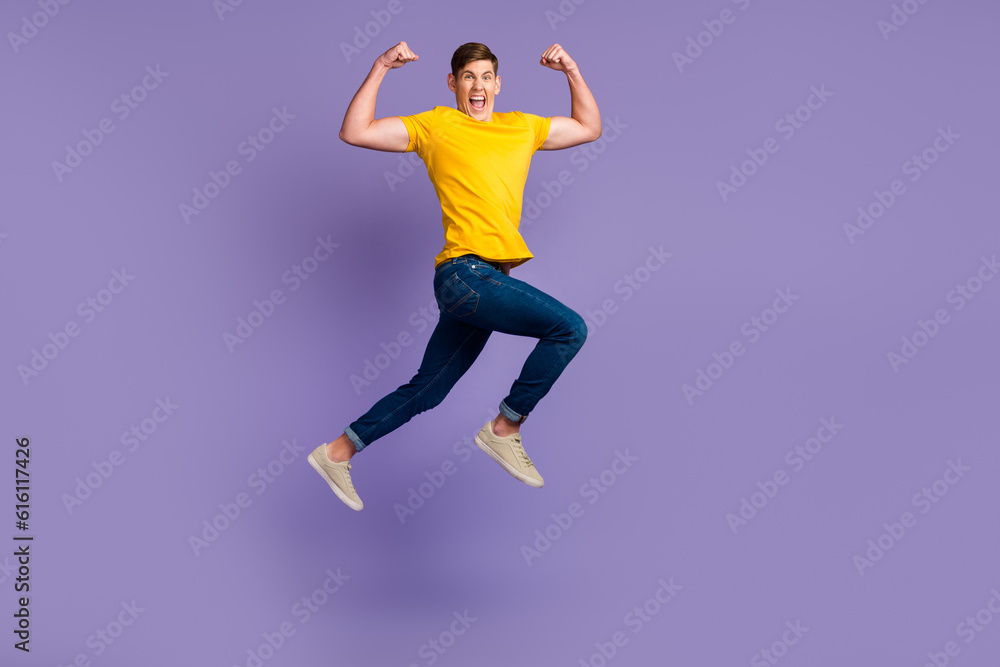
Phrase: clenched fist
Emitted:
{"points": [[556, 58], [397, 56]]}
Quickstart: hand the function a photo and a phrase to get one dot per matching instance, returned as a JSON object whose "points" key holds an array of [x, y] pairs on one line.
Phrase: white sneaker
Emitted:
{"points": [[337, 475], [509, 453]]}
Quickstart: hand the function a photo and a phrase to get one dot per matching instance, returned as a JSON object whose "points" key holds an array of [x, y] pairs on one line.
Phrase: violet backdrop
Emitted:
{"points": [[780, 435]]}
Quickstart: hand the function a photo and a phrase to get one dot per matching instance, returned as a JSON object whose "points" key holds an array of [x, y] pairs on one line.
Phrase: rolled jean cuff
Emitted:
{"points": [[510, 414], [358, 445]]}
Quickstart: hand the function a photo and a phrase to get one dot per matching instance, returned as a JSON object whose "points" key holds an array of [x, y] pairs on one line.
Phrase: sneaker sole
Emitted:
{"points": [[333, 485], [506, 466]]}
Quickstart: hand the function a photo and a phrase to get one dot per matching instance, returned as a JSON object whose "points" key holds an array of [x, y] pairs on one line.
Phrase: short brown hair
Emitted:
{"points": [[472, 51]]}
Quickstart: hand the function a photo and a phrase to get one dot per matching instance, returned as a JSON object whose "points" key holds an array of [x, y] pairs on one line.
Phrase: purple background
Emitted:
{"points": [[678, 132]]}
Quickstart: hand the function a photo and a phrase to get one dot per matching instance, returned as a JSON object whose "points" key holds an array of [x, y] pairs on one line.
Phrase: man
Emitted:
{"points": [[477, 159]]}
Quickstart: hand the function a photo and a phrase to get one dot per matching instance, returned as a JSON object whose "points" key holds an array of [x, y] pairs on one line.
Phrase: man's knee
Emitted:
{"points": [[578, 327], [573, 337]]}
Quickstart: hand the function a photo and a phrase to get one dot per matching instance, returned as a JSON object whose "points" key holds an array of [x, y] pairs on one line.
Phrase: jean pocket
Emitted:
{"points": [[456, 298]]}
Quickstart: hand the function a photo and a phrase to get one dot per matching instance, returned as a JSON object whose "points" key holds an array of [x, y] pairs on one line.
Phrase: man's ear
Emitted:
{"points": [[498, 87], [451, 82]]}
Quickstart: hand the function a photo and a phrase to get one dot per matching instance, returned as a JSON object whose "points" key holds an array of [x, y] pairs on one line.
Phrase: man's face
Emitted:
{"points": [[475, 88]]}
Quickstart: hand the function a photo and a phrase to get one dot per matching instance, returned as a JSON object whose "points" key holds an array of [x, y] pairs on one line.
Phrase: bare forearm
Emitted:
{"points": [[583, 105], [361, 111]]}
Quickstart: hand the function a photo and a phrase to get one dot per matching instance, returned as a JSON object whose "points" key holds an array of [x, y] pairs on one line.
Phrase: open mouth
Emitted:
{"points": [[478, 102]]}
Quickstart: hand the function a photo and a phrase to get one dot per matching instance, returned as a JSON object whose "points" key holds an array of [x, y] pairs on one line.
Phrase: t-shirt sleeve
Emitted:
{"points": [[418, 126], [540, 126]]}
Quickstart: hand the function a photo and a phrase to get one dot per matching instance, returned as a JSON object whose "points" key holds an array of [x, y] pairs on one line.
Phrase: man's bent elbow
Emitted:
{"points": [[349, 138]]}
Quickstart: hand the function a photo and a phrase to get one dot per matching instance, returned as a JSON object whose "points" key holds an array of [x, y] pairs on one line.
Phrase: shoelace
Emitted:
{"points": [[347, 478], [520, 453]]}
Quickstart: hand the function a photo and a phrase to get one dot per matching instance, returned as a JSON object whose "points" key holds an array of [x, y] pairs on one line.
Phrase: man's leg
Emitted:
{"points": [[450, 352], [476, 299], [512, 306], [502, 426], [453, 347]]}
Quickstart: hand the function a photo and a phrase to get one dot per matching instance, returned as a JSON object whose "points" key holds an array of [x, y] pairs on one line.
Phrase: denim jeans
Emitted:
{"points": [[475, 299]]}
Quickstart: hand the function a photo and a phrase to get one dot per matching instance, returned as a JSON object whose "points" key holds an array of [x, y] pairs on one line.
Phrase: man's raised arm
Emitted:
{"points": [[360, 127], [585, 124]]}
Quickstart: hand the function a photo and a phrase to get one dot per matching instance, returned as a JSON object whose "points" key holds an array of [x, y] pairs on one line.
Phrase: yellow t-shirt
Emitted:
{"points": [[478, 170]]}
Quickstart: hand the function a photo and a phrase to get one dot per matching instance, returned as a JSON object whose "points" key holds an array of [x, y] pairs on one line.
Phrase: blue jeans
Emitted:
{"points": [[475, 299]]}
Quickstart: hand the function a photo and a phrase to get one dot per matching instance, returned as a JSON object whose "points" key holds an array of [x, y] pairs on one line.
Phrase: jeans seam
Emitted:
{"points": [[482, 277], [528, 294]]}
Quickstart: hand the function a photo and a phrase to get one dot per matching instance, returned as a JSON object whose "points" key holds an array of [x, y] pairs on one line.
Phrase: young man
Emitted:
{"points": [[477, 159]]}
